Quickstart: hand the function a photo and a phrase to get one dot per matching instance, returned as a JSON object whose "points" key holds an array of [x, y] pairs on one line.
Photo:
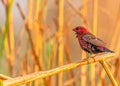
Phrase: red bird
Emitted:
{"points": [[89, 42]]}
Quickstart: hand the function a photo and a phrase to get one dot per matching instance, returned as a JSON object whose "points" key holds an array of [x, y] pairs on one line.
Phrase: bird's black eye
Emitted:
{"points": [[77, 28]]}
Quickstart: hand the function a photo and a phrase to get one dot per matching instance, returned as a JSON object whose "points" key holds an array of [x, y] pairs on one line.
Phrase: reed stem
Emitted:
{"points": [[105, 66]]}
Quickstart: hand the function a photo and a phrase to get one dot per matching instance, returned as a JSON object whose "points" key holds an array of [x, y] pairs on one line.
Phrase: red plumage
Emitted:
{"points": [[89, 42]]}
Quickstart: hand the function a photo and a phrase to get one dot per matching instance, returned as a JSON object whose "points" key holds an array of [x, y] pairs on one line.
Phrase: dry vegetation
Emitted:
{"points": [[44, 50]]}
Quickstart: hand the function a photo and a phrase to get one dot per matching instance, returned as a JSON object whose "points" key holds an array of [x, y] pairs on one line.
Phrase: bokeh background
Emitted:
{"points": [[36, 35]]}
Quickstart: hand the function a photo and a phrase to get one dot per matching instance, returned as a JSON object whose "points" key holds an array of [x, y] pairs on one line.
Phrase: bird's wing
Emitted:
{"points": [[92, 39]]}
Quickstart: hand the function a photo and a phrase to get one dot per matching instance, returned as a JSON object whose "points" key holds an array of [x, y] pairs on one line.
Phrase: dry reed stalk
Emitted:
{"points": [[101, 80], [24, 64], [52, 55], [37, 45], [70, 82], [19, 38], [44, 74], [37, 39], [60, 40], [83, 69], [78, 12], [95, 12], [105, 66], [30, 15], [41, 19], [117, 69], [67, 52], [10, 37], [33, 48], [118, 47], [38, 30], [30, 38], [2, 43], [52, 60], [92, 66], [36, 26]]}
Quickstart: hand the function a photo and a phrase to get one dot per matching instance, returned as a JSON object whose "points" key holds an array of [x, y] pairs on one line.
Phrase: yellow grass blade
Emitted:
{"points": [[60, 40]]}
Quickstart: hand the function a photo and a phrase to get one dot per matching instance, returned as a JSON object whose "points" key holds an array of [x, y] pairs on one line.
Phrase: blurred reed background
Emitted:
{"points": [[36, 35]]}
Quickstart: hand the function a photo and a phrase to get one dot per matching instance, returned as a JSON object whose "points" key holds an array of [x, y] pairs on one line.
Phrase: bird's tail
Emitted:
{"points": [[107, 50]]}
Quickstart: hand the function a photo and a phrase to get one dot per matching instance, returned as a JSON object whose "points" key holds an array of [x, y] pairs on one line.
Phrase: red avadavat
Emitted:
{"points": [[89, 42]]}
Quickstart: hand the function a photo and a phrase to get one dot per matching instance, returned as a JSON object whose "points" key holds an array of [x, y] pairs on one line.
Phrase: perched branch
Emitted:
{"points": [[44, 74], [4, 77]]}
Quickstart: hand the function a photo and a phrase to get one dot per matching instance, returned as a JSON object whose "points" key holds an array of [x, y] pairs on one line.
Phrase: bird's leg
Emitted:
{"points": [[90, 56], [93, 55]]}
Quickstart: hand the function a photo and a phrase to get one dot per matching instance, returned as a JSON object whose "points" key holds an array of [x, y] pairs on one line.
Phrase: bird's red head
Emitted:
{"points": [[80, 30]]}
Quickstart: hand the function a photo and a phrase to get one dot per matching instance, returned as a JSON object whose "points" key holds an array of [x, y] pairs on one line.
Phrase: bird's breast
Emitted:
{"points": [[85, 45], [82, 43]]}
